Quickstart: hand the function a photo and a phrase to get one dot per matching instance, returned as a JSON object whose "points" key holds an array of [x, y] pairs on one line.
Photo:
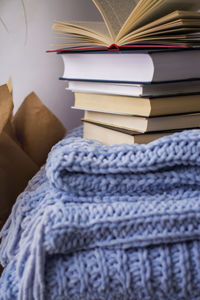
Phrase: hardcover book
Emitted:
{"points": [[133, 66], [108, 135], [144, 124], [138, 90], [145, 106]]}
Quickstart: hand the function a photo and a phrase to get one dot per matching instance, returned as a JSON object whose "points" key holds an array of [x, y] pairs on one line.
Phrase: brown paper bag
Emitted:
{"points": [[8, 128], [6, 106], [16, 168], [37, 128]]}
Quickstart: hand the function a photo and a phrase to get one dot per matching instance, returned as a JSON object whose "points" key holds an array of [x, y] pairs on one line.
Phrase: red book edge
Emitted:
{"points": [[115, 47]]}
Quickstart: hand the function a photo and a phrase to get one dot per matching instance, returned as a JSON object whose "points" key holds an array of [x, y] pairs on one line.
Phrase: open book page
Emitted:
{"points": [[165, 34], [93, 32], [143, 7], [174, 16], [115, 13], [161, 36], [77, 44], [181, 39], [178, 21], [152, 10]]}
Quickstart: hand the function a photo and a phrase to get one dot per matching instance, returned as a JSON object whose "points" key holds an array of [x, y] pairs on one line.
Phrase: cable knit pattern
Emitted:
{"points": [[107, 223]]}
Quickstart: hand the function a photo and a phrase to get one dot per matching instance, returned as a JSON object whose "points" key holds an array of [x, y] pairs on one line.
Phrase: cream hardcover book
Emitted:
{"points": [[144, 124], [145, 106], [109, 135]]}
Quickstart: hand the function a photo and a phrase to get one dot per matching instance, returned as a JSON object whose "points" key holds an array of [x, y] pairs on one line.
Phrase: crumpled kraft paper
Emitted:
{"points": [[25, 140], [36, 128]]}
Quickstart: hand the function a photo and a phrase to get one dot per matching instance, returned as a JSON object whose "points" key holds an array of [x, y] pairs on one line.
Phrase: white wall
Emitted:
{"points": [[23, 57]]}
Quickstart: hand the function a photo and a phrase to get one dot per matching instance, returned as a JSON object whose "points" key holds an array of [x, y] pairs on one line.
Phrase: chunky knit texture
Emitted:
{"points": [[91, 171], [108, 223]]}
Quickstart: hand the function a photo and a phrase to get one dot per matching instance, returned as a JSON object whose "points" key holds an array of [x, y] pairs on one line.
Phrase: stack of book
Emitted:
{"points": [[141, 80]]}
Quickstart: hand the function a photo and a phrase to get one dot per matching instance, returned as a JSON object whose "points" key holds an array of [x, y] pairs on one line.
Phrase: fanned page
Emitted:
{"points": [[175, 23], [151, 10], [83, 33], [115, 13], [136, 21]]}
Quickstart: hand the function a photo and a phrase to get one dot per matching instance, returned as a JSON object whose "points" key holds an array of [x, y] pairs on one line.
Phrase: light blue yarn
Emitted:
{"points": [[108, 223], [86, 168]]}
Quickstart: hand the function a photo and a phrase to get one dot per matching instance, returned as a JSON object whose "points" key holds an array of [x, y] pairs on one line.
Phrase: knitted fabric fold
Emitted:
{"points": [[87, 168], [65, 240], [155, 273]]}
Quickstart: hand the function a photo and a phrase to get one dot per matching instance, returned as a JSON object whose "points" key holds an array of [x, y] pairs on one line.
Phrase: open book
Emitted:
{"points": [[164, 22]]}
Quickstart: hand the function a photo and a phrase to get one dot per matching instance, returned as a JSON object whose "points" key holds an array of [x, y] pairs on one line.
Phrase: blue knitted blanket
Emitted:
{"points": [[99, 222]]}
